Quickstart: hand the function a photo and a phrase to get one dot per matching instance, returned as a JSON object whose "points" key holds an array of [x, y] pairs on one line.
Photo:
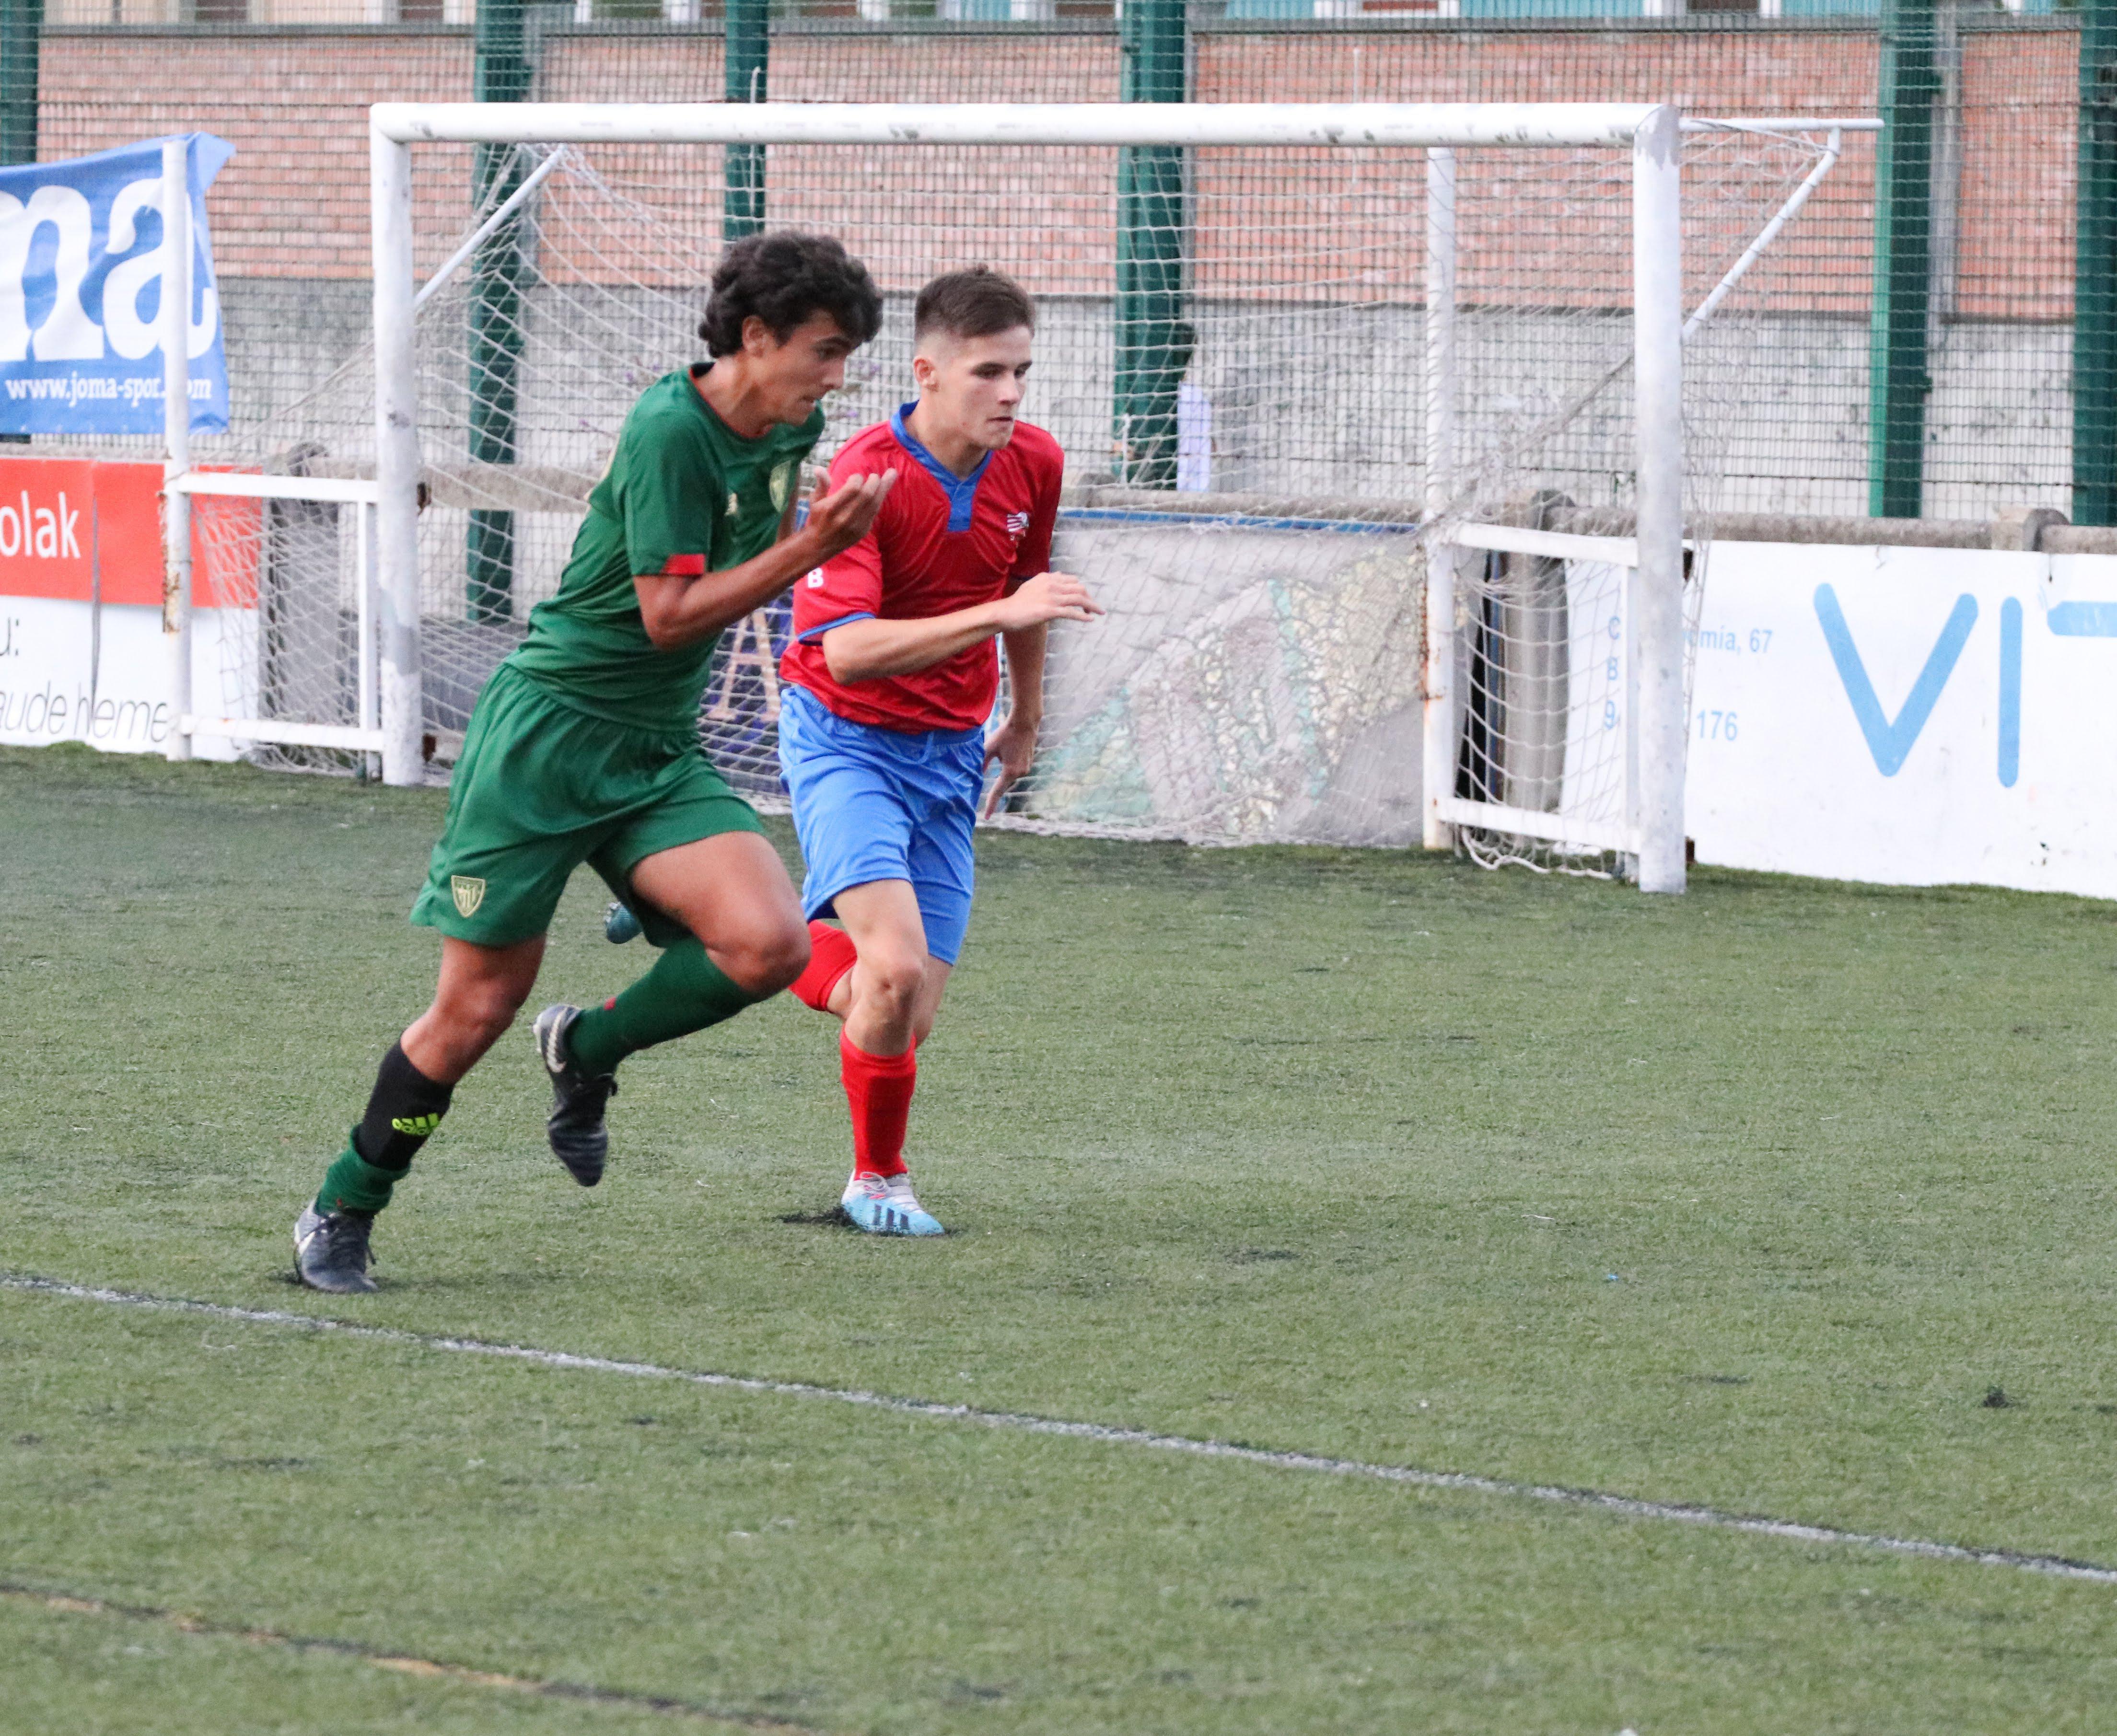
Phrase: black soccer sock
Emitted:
{"points": [[402, 1114]]}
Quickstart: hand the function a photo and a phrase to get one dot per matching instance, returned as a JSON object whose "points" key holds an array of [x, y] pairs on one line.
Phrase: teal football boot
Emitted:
{"points": [[888, 1207]]}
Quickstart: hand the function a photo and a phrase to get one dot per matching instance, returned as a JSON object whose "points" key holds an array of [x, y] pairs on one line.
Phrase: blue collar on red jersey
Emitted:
{"points": [[962, 492]]}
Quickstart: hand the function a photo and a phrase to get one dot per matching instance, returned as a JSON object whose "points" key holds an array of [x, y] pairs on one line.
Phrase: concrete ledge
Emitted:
{"points": [[2033, 529]]}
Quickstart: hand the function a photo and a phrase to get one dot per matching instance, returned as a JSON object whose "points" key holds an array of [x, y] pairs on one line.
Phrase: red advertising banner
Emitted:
{"points": [[76, 529]]}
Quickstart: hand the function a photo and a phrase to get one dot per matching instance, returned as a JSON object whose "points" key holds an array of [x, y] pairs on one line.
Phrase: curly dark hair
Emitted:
{"points": [[786, 277]]}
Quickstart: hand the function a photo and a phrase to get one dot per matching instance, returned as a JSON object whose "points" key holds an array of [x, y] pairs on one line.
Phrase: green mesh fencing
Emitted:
{"points": [[1222, 331]]}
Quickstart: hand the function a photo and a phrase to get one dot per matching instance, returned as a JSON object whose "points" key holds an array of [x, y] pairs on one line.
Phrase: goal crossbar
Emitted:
{"points": [[1331, 124], [1653, 830]]}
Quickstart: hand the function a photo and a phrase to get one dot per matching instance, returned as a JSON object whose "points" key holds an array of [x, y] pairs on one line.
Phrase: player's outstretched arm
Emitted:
{"points": [[679, 610], [868, 651]]}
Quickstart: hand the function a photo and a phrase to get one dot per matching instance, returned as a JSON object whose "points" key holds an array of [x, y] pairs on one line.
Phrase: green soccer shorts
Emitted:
{"points": [[541, 788]]}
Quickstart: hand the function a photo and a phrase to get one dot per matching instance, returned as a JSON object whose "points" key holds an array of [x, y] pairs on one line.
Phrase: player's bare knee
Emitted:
{"points": [[787, 958], [890, 984], [485, 1014], [767, 962]]}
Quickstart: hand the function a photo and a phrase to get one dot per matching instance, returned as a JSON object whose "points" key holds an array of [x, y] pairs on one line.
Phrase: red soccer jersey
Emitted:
{"points": [[941, 543]]}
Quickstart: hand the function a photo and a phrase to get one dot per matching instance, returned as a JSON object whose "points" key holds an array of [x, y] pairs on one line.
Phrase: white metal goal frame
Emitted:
{"points": [[182, 484], [1652, 832]]}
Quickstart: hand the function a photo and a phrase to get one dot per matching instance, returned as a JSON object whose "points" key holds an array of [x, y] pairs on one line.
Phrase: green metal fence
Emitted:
{"points": [[501, 73], [1959, 334]]}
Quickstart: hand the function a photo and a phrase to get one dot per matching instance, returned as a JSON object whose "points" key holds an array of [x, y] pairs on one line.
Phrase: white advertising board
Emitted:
{"points": [[1912, 716], [71, 671]]}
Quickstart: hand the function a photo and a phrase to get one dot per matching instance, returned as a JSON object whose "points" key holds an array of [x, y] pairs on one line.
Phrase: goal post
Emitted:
{"points": [[1453, 532], [397, 461], [1660, 707]]}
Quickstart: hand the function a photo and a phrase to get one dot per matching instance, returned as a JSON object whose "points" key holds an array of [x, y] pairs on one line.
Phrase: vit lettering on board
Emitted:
{"points": [[1911, 716]]}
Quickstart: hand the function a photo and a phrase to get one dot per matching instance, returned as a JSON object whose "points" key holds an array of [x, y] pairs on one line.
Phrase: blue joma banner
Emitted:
{"points": [[81, 294]]}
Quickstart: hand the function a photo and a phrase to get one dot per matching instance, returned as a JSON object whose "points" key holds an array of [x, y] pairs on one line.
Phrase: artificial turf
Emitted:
{"points": [[1754, 1198]]}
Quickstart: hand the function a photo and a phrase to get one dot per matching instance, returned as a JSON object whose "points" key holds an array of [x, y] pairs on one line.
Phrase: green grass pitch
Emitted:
{"points": [[1748, 1198]]}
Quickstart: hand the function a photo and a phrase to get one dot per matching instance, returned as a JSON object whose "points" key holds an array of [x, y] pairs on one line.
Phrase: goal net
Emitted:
{"points": [[1353, 435]]}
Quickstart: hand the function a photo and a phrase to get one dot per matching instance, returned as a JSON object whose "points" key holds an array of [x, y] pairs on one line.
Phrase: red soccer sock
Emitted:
{"points": [[831, 955], [879, 1091]]}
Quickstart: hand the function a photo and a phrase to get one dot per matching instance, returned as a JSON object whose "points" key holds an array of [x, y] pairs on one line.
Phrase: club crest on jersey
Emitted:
{"points": [[783, 485], [469, 893], [1017, 525]]}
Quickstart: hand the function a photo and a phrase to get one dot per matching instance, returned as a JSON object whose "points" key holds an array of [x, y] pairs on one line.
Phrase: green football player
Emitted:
{"points": [[583, 746]]}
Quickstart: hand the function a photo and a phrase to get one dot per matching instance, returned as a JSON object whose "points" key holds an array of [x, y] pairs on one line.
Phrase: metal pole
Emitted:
{"points": [[491, 227], [396, 461], [1898, 382], [1945, 224], [1834, 148], [366, 711], [500, 73], [1439, 772], [2095, 272], [1659, 704], [176, 322], [748, 57], [1154, 339], [1275, 125], [21, 24]]}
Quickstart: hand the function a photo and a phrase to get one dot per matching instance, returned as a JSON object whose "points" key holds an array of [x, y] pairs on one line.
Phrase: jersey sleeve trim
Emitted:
{"points": [[684, 566], [814, 634]]}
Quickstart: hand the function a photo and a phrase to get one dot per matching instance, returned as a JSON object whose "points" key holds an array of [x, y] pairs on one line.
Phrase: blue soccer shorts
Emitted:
{"points": [[875, 804]]}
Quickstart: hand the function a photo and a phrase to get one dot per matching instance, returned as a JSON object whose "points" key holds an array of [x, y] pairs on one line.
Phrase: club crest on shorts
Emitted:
{"points": [[783, 485], [469, 893]]}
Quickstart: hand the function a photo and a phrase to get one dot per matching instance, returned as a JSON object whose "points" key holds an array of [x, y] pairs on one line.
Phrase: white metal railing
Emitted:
{"points": [[181, 482], [1509, 539], [1652, 830], [363, 736], [248, 485], [177, 433], [1530, 822]]}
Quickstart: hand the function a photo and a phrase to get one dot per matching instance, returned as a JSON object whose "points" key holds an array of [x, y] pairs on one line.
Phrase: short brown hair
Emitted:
{"points": [[976, 303]]}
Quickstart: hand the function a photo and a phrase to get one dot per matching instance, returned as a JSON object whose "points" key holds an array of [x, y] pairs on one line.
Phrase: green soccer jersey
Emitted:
{"points": [[682, 488]]}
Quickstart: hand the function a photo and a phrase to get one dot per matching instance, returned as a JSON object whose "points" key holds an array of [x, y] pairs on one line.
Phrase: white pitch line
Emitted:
{"points": [[2056, 1567]]}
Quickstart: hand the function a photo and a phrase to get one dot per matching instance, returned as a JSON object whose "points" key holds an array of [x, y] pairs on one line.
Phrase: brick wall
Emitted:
{"points": [[1334, 229], [294, 201], [2020, 97]]}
